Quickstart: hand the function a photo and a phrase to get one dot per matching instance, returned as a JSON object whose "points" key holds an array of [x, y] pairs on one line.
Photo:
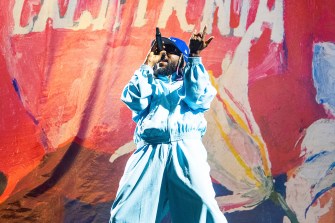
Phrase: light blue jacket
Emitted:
{"points": [[167, 109]]}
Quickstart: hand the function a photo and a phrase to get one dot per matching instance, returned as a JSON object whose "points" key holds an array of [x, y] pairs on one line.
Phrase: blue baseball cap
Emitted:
{"points": [[181, 46], [178, 44]]}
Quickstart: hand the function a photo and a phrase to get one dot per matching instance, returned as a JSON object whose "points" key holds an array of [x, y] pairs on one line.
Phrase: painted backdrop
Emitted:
{"points": [[65, 136]]}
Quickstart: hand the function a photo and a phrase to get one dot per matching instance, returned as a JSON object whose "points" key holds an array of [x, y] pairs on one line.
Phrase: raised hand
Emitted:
{"points": [[198, 42], [153, 57]]}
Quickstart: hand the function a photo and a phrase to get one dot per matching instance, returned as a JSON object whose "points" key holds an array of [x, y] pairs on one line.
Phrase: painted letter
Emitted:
{"points": [[17, 11], [180, 7], [273, 17], [98, 23], [50, 9], [223, 15], [240, 30], [140, 19]]}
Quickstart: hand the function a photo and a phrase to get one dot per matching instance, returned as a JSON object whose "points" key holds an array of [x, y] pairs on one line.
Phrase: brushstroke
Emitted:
{"points": [[63, 66], [316, 176], [324, 73], [252, 185], [3, 182]]}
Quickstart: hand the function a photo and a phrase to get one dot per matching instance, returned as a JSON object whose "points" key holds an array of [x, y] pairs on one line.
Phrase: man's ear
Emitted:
{"points": [[181, 59], [180, 67], [154, 68]]}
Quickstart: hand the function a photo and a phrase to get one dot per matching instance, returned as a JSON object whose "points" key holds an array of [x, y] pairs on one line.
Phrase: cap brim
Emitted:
{"points": [[167, 41]]}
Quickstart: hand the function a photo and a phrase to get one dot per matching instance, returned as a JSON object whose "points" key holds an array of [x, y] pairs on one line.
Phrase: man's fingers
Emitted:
{"points": [[198, 36], [162, 53], [153, 46], [204, 32], [209, 40], [193, 34]]}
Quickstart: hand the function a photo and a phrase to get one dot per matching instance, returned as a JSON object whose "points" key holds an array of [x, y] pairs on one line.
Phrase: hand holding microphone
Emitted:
{"points": [[157, 52]]}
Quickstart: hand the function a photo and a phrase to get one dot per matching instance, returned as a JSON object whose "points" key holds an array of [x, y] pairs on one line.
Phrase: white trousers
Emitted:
{"points": [[167, 177]]}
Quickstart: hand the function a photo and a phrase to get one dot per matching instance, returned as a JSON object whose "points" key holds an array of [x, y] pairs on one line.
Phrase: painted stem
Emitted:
{"points": [[278, 199]]}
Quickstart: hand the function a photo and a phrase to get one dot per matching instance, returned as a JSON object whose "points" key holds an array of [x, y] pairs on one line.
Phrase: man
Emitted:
{"points": [[169, 169]]}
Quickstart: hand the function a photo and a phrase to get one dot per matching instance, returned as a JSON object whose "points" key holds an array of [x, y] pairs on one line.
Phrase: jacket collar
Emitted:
{"points": [[171, 78]]}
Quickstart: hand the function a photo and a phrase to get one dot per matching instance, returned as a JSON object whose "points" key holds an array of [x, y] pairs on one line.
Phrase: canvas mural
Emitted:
{"points": [[65, 136]]}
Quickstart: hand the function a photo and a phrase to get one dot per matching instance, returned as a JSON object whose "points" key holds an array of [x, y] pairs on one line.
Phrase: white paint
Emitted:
{"points": [[140, 19], [274, 17], [17, 10], [84, 21], [223, 15], [226, 169], [50, 10], [117, 23], [320, 136], [98, 23], [240, 30], [123, 150], [313, 177], [236, 77], [180, 7]]}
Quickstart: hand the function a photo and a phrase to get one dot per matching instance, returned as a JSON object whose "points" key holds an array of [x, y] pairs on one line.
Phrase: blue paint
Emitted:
{"points": [[17, 90], [331, 167], [318, 195], [319, 157], [33, 118], [16, 87], [324, 73], [316, 156], [284, 61], [221, 190]]}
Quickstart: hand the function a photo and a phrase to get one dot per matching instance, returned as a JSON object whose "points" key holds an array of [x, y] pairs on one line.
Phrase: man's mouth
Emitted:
{"points": [[163, 63]]}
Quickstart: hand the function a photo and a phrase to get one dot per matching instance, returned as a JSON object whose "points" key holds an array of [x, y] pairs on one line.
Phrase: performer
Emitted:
{"points": [[169, 171]]}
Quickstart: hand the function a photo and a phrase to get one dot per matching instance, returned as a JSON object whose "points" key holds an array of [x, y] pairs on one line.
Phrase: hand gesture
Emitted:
{"points": [[153, 57], [198, 42]]}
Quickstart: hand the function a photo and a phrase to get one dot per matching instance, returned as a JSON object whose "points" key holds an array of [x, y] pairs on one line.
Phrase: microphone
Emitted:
{"points": [[159, 40]]}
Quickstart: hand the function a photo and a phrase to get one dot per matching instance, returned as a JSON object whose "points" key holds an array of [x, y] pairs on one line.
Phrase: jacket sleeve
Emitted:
{"points": [[137, 93], [197, 90]]}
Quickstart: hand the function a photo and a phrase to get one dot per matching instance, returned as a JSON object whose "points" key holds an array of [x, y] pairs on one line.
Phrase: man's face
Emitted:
{"points": [[168, 65]]}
